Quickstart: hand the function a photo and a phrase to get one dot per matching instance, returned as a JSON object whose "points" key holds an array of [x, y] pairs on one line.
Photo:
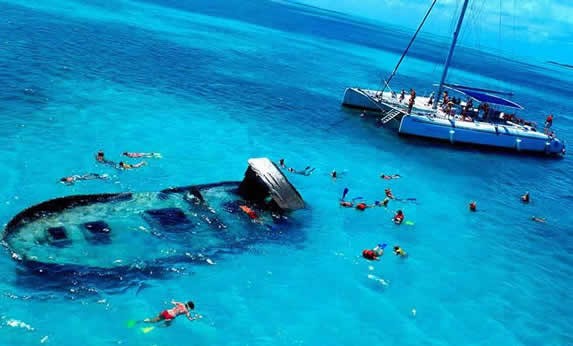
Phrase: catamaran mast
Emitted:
{"points": [[449, 58]]}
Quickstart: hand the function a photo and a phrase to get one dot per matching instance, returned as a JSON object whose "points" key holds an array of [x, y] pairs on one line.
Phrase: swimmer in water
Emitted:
{"points": [[139, 155], [398, 251], [333, 174], [398, 217], [170, 314], [388, 193], [307, 171], [390, 177], [473, 206], [374, 254], [346, 204], [123, 165], [70, 180], [100, 157], [282, 163], [525, 198], [538, 219]]}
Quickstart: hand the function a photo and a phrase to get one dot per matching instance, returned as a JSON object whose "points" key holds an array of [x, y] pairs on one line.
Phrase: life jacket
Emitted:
{"points": [[361, 206], [369, 254], [398, 218]]}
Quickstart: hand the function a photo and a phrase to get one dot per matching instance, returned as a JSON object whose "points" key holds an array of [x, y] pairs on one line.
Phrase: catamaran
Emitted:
{"points": [[484, 117]]}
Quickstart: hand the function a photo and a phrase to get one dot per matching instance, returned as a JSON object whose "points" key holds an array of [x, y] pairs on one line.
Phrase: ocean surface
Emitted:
{"points": [[212, 83]]}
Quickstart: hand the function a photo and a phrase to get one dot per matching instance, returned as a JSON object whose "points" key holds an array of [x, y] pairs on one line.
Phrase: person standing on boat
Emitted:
{"points": [[446, 99], [411, 100], [402, 96], [548, 122], [430, 99]]}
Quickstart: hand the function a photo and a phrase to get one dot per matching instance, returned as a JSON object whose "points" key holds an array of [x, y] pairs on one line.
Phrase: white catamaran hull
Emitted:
{"points": [[480, 133], [361, 98], [375, 100]]}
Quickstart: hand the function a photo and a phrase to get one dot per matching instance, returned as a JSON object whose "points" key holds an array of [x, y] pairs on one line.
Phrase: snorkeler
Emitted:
{"points": [[346, 204], [398, 217], [307, 171], [123, 165], [525, 198], [138, 155], [473, 206], [398, 251], [170, 314], [333, 174], [538, 219], [70, 180], [389, 177], [100, 157], [388, 193], [374, 254], [282, 163]]}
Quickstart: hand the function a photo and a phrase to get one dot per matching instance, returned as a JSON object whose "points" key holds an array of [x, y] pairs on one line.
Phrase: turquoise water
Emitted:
{"points": [[210, 84]]}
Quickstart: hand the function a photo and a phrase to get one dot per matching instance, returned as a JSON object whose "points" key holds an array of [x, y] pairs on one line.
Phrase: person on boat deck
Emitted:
{"points": [[411, 101], [123, 165], [430, 99], [485, 108], [170, 314], [549, 121], [469, 103], [447, 107], [69, 180], [402, 96], [446, 98], [525, 198], [398, 217]]}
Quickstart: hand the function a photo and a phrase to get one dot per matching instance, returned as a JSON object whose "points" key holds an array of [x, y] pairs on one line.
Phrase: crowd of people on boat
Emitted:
{"points": [[466, 111]]}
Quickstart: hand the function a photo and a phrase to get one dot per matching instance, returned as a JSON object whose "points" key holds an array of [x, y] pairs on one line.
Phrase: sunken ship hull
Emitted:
{"points": [[114, 230]]}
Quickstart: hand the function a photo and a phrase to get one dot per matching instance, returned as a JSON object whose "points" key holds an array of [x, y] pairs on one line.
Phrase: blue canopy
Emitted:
{"points": [[483, 95]]}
